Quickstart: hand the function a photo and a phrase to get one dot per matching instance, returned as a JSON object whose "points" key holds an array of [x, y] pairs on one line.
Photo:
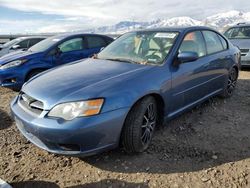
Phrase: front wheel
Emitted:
{"points": [[140, 125], [230, 84]]}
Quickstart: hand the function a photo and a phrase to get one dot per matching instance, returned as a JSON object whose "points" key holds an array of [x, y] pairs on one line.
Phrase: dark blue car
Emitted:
{"points": [[18, 67], [119, 97]]}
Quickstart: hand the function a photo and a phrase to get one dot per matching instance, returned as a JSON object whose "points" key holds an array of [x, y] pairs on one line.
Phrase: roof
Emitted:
{"points": [[32, 37], [178, 29], [64, 35], [241, 25]]}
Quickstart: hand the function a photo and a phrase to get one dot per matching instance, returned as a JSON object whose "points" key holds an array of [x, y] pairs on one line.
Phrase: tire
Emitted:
{"points": [[140, 125], [32, 74], [230, 83]]}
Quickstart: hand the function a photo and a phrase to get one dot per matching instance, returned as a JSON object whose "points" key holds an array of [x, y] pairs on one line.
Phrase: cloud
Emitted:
{"points": [[84, 14], [110, 11]]}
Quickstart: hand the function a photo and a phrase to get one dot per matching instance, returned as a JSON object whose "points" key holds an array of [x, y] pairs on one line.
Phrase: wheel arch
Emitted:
{"points": [[34, 70]]}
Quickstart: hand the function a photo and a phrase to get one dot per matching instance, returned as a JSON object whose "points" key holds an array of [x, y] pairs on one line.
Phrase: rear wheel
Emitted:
{"points": [[231, 83], [140, 125]]}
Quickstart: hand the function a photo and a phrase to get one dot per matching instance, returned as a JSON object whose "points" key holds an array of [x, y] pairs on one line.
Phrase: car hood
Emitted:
{"points": [[17, 55], [55, 86], [241, 43]]}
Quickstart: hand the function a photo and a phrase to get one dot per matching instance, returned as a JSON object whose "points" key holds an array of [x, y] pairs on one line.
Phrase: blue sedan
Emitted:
{"points": [[18, 67], [120, 96]]}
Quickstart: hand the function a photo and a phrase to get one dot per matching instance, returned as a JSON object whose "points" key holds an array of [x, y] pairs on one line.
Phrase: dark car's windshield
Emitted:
{"points": [[144, 47], [44, 44], [238, 33]]}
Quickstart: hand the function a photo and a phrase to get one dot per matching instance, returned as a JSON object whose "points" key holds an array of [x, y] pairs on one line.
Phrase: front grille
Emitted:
{"points": [[30, 104], [244, 52]]}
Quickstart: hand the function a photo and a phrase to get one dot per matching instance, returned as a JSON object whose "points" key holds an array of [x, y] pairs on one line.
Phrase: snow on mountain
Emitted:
{"points": [[226, 19], [176, 21], [218, 21]]}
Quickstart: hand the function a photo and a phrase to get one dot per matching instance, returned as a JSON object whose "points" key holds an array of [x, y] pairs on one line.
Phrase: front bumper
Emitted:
{"points": [[79, 137], [10, 78]]}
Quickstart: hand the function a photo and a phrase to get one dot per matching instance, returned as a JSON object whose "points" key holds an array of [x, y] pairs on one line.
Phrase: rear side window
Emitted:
{"points": [[23, 44], [34, 41], [95, 42], [213, 42], [71, 45], [193, 42], [223, 42]]}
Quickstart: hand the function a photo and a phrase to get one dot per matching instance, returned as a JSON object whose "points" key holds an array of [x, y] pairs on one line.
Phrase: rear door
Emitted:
{"points": [[219, 60], [95, 44], [189, 79]]}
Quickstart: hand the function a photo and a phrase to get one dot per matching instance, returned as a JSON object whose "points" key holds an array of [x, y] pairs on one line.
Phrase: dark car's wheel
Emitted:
{"points": [[230, 84], [140, 125]]}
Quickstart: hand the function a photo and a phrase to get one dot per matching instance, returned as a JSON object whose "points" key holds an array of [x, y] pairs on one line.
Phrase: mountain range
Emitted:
{"points": [[218, 21]]}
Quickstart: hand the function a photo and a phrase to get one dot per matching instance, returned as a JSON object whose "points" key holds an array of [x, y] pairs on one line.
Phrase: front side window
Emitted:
{"points": [[213, 42], [144, 47], [193, 42], [238, 33], [71, 45]]}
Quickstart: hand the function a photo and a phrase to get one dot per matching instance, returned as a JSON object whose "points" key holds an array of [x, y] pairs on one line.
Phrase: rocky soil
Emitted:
{"points": [[206, 147]]}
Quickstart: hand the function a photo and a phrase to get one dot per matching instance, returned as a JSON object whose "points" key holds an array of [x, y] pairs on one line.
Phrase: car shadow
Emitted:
{"points": [[214, 133], [5, 120], [102, 183]]}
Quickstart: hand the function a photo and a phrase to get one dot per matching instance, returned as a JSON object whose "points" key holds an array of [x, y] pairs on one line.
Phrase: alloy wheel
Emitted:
{"points": [[148, 124]]}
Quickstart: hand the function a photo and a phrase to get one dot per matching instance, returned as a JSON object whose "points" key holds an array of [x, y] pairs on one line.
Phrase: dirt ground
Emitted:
{"points": [[206, 147]]}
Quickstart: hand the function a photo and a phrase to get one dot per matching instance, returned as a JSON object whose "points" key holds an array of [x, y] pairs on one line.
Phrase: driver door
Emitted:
{"points": [[69, 51]]}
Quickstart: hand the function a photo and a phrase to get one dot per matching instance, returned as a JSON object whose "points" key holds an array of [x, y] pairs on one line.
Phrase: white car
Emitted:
{"points": [[20, 43]]}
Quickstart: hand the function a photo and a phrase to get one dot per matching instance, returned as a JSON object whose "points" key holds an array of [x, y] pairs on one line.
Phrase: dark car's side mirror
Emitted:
{"points": [[184, 57], [15, 47]]}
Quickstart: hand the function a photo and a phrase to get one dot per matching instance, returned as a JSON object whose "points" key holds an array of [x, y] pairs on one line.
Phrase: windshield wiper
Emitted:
{"points": [[125, 60]]}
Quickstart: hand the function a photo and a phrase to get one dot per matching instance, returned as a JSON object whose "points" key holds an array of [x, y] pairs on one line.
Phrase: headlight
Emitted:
{"points": [[13, 64], [69, 111]]}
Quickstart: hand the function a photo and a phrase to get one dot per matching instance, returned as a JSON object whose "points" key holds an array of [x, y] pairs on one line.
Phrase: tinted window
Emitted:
{"points": [[223, 42], [95, 42], [71, 45], [193, 42], [23, 44], [213, 42], [34, 41], [238, 33]]}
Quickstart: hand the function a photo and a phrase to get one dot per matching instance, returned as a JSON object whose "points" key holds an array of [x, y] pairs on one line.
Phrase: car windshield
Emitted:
{"points": [[143, 47], [44, 44], [238, 33], [10, 43]]}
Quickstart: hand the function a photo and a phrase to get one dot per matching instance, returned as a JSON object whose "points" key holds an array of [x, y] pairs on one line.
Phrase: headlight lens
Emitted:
{"points": [[13, 64], [70, 111]]}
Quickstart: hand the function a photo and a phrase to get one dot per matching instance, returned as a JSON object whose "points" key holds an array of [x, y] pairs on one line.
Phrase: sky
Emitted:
{"points": [[36, 16]]}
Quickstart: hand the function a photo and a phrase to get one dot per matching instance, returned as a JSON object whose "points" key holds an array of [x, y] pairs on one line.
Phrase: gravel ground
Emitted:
{"points": [[206, 147]]}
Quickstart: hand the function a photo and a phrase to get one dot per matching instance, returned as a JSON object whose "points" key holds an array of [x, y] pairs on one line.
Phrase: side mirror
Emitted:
{"points": [[185, 57], [15, 47]]}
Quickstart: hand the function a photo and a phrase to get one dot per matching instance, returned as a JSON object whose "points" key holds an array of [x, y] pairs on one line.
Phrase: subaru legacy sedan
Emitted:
{"points": [[120, 96], [18, 67]]}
